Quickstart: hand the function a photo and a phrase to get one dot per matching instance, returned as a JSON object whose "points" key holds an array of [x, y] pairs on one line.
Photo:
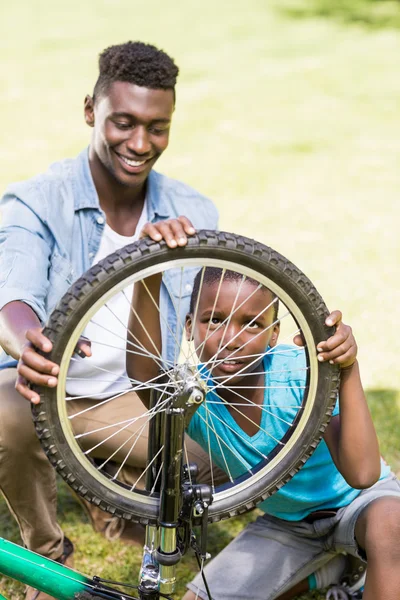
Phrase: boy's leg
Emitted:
{"points": [[378, 533], [266, 561], [27, 479], [370, 528], [300, 588]]}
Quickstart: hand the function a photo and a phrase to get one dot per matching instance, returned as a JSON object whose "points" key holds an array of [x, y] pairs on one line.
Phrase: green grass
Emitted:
{"points": [[287, 116]]}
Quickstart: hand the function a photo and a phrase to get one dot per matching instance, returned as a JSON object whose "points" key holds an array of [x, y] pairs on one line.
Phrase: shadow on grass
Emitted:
{"points": [[370, 13]]}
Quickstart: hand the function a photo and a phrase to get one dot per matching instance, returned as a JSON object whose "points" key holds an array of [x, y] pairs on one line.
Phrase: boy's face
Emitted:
{"points": [[237, 331]]}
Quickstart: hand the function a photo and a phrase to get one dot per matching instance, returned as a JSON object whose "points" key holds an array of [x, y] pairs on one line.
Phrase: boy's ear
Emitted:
{"points": [[188, 328], [275, 334]]}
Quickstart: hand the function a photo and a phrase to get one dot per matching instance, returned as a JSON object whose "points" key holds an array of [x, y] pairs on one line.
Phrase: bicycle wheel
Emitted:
{"points": [[94, 457]]}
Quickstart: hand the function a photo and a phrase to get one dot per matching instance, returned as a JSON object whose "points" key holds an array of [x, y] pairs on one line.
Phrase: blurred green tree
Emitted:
{"points": [[371, 13]]}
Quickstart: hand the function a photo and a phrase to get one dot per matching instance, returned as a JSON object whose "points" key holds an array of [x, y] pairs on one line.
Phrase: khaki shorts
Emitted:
{"points": [[270, 555]]}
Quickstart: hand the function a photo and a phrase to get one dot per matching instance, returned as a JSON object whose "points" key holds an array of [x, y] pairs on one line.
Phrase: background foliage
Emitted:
{"points": [[287, 116]]}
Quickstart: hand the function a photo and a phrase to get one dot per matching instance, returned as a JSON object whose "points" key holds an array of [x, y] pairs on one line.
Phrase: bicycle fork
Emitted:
{"points": [[178, 498]]}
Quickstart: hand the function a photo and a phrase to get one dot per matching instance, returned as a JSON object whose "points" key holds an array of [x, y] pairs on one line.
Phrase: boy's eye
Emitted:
{"points": [[252, 325], [215, 320]]}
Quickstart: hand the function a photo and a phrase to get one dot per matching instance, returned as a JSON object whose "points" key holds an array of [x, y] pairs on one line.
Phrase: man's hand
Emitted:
{"points": [[35, 368], [341, 347], [173, 231]]}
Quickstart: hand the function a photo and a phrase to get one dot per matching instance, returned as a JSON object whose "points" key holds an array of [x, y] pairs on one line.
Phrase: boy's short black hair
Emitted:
{"points": [[138, 63], [213, 275]]}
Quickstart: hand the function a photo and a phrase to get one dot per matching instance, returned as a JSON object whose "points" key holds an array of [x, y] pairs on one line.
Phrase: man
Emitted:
{"points": [[53, 228]]}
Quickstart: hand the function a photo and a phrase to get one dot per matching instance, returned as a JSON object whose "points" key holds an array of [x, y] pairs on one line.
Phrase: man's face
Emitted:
{"points": [[236, 328], [131, 130]]}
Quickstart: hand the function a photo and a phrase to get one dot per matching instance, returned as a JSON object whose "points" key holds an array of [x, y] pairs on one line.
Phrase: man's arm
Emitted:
{"points": [[26, 247], [350, 436], [21, 334]]}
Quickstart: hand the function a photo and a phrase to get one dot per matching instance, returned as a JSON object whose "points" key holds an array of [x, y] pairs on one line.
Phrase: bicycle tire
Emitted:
{"points": [[133, 259]]}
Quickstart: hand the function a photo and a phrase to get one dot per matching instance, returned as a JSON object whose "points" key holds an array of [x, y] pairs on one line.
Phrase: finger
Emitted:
{"points": [[178, 232], [37, 362], [83, 347], [32, 376], [342, 333], [299, 340], [187, 225], [346, 359], [150, 230], [334, 318], [166, 229], [22, 387], [36, 337], [336, 354], [333, 342]]}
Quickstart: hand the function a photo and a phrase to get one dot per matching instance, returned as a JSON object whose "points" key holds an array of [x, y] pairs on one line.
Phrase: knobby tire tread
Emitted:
{"points": [[102, 276]]}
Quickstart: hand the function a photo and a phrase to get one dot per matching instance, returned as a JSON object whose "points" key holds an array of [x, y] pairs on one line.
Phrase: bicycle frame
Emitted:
{"points": [[49, 576]]}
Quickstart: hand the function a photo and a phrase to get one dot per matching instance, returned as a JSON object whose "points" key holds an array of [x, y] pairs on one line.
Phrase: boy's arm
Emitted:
{"points": [[350, 436], [144, 334], [143, 357]]}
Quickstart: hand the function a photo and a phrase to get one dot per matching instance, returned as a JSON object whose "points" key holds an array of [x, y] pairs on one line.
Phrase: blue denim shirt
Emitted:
{"points": [[51, 226]]}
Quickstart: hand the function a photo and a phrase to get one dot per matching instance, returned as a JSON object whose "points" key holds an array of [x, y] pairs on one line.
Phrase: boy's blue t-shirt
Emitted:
{"points": [[318, 484]]}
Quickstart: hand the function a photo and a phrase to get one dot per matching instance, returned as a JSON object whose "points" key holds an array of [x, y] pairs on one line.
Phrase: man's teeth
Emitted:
{"points": [[228, 361], [133, 163]]}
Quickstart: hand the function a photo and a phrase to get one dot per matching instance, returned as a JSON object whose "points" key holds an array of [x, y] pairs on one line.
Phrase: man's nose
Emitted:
{"points": [[138, 141]]}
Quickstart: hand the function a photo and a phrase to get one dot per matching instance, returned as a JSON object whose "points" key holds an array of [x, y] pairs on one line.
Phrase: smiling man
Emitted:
{"points": [[57, 225]]}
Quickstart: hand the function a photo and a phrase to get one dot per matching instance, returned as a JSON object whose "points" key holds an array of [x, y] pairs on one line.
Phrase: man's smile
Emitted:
{"points": [[134, 166]]}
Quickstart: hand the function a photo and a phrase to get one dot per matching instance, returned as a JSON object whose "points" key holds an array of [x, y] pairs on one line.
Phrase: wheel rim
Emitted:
{"points": [[227, 491]]}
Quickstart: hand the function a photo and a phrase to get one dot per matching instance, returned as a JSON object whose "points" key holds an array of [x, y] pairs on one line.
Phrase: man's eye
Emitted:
{"points": [[157, 130], [122, 125]]}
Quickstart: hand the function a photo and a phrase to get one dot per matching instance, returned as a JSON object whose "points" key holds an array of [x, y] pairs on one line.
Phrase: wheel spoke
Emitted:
{"points": [[247, 419], [147, 468], [121, 329]]}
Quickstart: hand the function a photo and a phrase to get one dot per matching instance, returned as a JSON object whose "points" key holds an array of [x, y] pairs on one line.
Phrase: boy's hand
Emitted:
{"points": [[173, 231], [341, 347]]}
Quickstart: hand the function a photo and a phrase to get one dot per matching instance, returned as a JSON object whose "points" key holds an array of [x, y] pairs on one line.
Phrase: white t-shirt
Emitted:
{"points": [[104, 374]]}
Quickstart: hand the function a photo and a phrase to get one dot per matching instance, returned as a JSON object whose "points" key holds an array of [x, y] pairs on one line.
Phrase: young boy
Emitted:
{"points": [[344, 499]]}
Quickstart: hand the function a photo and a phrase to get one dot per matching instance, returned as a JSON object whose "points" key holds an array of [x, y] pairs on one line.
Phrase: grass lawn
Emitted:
{"points": [[287, 116]]}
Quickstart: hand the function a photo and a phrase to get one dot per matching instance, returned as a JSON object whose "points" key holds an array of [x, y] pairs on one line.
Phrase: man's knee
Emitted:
{"points": [[16, 426]]}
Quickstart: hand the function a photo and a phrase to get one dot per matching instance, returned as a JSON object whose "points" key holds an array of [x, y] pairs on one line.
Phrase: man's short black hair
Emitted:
{"points": [[212, 275], [138, 63]]}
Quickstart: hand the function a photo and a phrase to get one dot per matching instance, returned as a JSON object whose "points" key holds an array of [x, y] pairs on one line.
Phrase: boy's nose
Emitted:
{"points": [[232, 338]]}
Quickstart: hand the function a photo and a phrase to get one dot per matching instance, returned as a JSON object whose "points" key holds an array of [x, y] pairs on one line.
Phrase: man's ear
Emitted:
{"points": [[275, 334], [188, 327], [89, 110]]}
